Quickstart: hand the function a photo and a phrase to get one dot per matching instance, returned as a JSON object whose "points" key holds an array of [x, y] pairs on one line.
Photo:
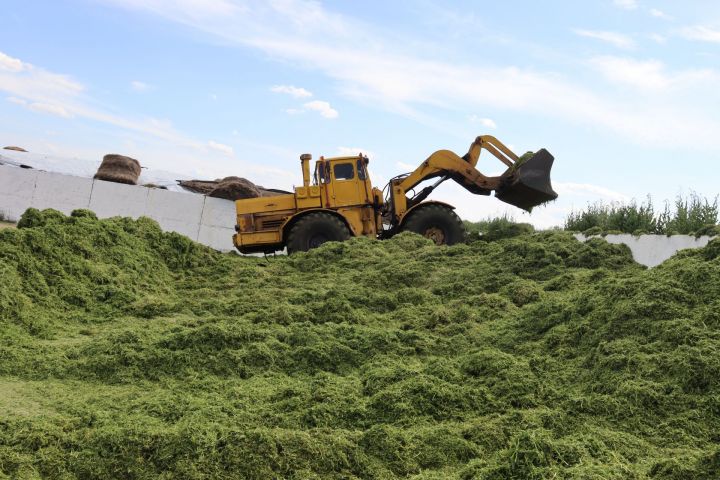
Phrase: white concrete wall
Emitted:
{"points": [[61, 192], [215, 229], [210, 221], [109, 199], [16, 190], [652, 250], [177, 212]]}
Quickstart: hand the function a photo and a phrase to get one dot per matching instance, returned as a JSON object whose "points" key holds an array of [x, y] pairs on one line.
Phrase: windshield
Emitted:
{"points": [[344, 171]]}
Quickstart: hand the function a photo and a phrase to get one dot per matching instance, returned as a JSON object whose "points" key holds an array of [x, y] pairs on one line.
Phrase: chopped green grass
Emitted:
{"points": [[126, 352]]}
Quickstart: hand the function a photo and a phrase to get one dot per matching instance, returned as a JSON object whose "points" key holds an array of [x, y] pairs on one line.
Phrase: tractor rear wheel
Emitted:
{"points": [[313, 230], [436, 222]]}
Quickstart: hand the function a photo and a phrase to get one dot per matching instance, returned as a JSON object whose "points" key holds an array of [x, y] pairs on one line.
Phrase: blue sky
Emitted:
{"points": [[624, 93]]}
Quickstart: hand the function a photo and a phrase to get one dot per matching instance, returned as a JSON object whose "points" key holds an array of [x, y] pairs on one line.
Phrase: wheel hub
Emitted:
{"points": [[436, 235]]}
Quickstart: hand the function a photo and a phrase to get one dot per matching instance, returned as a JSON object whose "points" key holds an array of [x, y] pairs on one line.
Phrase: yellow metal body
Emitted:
{"points": [[341, 186]]}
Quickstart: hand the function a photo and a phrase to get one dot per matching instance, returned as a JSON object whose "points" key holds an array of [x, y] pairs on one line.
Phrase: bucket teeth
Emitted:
{"points": [[528, 185]]}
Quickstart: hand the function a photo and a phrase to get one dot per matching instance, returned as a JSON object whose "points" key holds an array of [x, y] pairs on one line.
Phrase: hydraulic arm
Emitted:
{"points": [[524, 184]]}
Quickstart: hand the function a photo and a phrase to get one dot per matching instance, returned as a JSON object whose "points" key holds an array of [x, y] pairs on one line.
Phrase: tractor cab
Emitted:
{"points": [[344, 181]]}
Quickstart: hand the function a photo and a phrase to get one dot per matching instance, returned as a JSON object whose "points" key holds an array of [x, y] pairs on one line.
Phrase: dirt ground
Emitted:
{"points": [[7, 225]]}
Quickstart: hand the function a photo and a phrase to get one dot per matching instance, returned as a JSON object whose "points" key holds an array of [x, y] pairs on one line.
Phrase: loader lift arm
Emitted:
{"points": [[523, 184]]}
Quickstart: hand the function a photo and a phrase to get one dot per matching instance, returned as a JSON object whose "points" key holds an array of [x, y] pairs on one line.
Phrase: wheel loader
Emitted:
{"points": [[340, 202]]}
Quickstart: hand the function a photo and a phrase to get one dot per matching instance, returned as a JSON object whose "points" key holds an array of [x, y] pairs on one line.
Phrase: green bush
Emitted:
{"points": [[496, 228], [691, 215]]}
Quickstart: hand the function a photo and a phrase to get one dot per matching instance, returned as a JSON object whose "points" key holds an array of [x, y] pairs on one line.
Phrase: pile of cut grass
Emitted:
{"points": [[126, 352]]}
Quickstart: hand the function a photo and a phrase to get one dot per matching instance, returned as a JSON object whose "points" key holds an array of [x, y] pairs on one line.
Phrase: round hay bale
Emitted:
{"points": [[119, 169], [17, 149], [199, 186], [235, 188]]}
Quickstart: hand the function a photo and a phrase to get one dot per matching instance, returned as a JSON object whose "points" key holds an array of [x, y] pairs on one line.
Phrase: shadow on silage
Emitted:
{"points": [[142, 355]]}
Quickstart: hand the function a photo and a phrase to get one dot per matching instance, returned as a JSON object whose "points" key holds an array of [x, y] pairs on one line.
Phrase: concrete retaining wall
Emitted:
{"points": [[210, 221], [16, 191], [652, 250]]}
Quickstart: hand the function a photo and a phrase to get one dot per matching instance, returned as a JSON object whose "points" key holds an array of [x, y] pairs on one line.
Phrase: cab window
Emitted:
{"points": [[344, 171]]}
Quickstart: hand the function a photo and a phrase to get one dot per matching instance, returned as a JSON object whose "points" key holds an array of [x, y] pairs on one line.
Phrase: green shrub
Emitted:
{"points": [[496, 229], [691, 215]]}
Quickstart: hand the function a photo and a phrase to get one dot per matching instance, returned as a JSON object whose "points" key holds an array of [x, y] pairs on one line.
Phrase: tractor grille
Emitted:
{"points": [[272, 224]]}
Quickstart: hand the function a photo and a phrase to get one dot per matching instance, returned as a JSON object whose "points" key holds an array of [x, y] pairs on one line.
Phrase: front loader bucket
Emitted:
{"points": [[528, 185]]}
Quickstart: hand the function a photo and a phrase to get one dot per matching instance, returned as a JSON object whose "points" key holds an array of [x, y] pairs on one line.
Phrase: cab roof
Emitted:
{"points": [[336, 159]]}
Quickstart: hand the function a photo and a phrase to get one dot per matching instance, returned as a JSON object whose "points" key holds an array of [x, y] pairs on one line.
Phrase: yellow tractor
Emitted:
{"points": [[340, 202]]}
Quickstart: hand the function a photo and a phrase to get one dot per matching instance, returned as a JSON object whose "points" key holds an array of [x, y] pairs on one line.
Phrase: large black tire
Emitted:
{"points": [[436, 222], [314, 229]]}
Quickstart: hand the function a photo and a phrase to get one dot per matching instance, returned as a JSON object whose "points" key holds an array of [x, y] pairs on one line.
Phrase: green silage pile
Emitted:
{"points": [[126, 352]]}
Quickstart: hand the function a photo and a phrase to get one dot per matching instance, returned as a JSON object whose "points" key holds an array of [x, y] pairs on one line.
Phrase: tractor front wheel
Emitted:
{"points": [[436, 222], [313, 230]]}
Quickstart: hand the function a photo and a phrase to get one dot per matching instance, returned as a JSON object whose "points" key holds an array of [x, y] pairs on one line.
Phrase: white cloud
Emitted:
{"points": [[701, 33], [618, 40], [585, 189], [649, 74], [322, 107], [319, 106], [660, 14], [219, 147], [139, 86], [16, 101], [192, 9], [52, 109], [657, 38], [24, 80], [296, 92], [153, 140], [42, 107], [642, 74], [11, 64], [626, 4], [396, 77], [485, 122], [55, 94]]}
